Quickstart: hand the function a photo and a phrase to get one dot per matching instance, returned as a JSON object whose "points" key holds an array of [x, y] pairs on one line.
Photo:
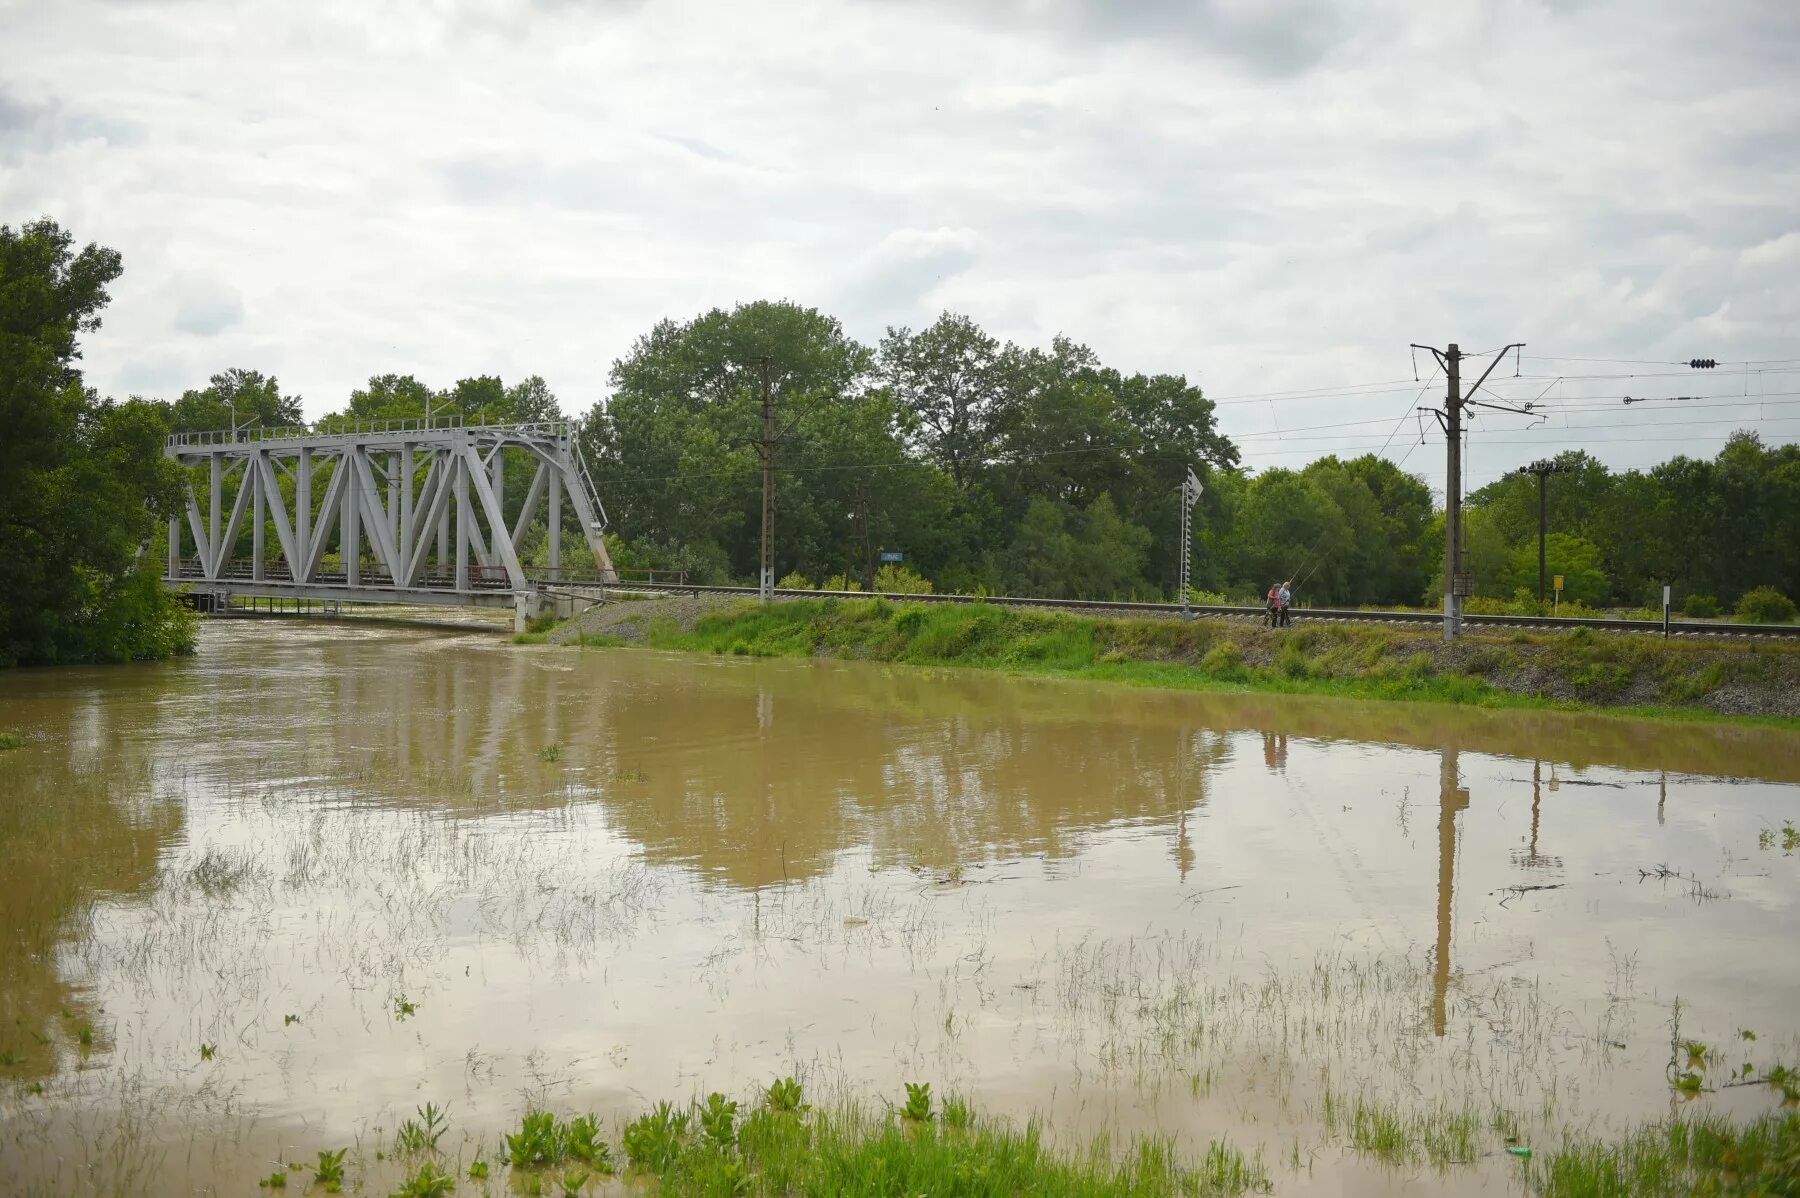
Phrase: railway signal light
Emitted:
{"points": [[1703, 363]]}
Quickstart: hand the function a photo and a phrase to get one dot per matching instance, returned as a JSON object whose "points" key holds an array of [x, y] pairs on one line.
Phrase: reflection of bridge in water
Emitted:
{"points": [[399, 512]]}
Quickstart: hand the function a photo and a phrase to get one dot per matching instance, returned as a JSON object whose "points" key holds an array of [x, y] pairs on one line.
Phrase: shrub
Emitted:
{"points": [[1291, 660], [1523, 603], [796, 581], [1223, 660], [840, 582], [1700, 606], [898, 580], [1766, 605]]}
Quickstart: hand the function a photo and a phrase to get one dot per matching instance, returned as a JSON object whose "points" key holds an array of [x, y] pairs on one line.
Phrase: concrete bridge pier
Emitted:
{"points": [[527, 605]]}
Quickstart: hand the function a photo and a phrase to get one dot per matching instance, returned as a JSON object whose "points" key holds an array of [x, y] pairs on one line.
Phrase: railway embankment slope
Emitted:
{"points": [[1578, 669]]}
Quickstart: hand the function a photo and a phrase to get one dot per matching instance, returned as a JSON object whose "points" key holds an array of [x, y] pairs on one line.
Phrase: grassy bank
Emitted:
{"points": [[1578, 670]]}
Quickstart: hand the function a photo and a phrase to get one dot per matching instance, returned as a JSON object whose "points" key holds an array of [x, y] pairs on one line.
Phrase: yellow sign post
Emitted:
{"points": [[1556, 604]]}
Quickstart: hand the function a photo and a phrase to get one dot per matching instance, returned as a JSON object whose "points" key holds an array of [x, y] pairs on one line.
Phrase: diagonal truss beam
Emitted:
{"points": [[315, 553], [496, 519], [375, 521], [277, 508], [228, 541]]}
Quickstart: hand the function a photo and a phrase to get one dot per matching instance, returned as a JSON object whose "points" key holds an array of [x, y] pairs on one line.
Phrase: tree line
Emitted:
{"points": [[991, 467], [1020, 470]]}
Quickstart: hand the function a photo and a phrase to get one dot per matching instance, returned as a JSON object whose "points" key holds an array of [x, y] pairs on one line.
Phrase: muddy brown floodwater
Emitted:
{"points": [[272, 898]]}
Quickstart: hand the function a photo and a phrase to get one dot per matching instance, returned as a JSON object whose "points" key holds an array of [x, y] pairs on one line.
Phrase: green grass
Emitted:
{"points": [[1444, 1135], [1706, 1155], [851, 1150], [1330, 660], [585, 640], [778, 1144], [11, 740]]}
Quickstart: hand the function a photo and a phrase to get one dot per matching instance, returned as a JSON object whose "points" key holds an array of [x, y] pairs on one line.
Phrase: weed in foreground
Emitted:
{"points": [[429, 1182], [654, 1141], [918, 1103], [543, 1141], [328, 1170], [11, 740], [718, 1122], [421, 1134], [784, 1095]]}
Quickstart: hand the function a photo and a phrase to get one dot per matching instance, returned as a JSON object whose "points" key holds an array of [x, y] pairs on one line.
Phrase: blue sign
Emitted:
{"points": [[892, 555]]}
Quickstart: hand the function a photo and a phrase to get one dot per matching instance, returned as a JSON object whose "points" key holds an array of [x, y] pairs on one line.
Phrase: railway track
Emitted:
{"points": [[1681, 628]]}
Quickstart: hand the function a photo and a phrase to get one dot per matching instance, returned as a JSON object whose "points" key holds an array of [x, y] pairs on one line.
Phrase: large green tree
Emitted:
{"points": [[84, 484], [950, 378], [235, 398], [677, 445]]}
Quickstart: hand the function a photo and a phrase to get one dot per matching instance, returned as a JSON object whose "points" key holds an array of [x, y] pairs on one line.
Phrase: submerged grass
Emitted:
{"points": [[1565, 671], [1706, 1155]]}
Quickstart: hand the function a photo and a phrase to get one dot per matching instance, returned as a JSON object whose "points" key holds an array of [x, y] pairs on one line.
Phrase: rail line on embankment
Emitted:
{"points": [[1681, 628]]}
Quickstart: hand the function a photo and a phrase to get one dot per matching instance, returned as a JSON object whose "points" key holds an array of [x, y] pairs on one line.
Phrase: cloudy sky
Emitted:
{"points": [[1269, 196]]}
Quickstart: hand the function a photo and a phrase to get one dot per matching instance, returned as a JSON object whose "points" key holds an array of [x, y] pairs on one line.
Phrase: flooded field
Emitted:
{"points": [[275, 898]]}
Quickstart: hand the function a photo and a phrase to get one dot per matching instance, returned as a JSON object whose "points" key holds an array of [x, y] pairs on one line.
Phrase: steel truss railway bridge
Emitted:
{"points": [[407, 512]]}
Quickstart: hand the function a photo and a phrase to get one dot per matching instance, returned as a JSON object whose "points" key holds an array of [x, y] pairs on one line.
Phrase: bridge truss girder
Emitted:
{"points": [[429, 505]]}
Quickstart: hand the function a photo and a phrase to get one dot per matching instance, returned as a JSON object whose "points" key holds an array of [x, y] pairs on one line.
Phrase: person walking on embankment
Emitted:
{"points": [[1286, 603]]}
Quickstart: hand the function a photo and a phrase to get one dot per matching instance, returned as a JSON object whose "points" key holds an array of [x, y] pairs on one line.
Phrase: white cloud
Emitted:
{"points": [[1258, 194], [204, 306]]}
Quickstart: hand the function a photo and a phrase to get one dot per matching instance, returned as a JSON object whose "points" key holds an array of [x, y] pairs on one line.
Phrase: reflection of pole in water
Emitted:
{"points": [[1537, 798], [1184, 848], [1531, 858], [1184, 851], [1662, 796], [1451, 799]]}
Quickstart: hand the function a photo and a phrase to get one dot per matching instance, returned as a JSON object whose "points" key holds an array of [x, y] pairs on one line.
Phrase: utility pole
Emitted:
{"points": [[1456, 582], [766, 574], [1191, 490], [1543, 468], [1453, 587]]}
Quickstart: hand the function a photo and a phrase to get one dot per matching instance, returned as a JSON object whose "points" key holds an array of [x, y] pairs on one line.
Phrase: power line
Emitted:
{"points": [[1405, 412], [1652, 361], [1583, 441]]}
